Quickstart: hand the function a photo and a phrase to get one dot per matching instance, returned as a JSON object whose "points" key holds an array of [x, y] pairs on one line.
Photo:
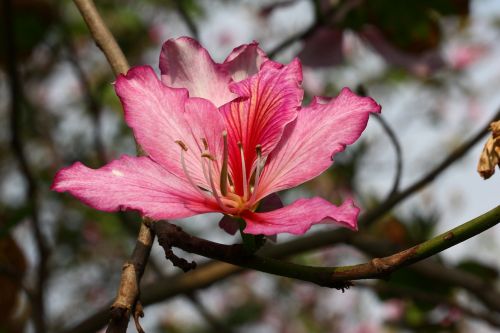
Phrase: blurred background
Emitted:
{"points": [[434, 66]]}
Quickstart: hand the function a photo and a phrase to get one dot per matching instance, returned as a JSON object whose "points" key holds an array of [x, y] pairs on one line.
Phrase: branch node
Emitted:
{"points": [[380, 265]]}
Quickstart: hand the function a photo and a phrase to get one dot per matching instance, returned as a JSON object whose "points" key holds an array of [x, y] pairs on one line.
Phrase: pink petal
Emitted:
{"points": [[309, 144], [133, 183], [244, 61], [298, 217], [184, 63], [269, 101], [159, 116]]}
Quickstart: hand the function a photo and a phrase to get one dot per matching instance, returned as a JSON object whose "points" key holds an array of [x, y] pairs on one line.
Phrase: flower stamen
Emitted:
{"points": [[223, 172], [212, 183], [184, 149], [258, 170]]}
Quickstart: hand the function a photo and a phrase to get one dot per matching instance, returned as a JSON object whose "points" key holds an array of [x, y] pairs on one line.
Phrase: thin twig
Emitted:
{"points": [[17, 145], [102, 36], [399, 153]]}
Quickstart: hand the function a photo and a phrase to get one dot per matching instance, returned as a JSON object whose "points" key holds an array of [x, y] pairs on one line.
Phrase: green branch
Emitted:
{"points": [[337, 277]]}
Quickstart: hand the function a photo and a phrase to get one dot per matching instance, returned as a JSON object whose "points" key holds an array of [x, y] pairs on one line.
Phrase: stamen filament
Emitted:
{"points": [[258, 170], [186, 172], [224, 173], [212, 184], [244, 171], [205, 143]]}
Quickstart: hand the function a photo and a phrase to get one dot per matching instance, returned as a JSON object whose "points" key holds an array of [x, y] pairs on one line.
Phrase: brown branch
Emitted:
{"points": [[102, 36], [126, 302], [17, 146]]}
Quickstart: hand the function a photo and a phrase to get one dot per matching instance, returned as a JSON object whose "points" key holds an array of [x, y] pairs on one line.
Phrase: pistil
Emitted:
{"points": [[244, 171]]}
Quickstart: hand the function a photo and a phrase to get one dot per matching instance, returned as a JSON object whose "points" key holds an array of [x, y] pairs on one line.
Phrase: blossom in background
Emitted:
{"points": [[221, 138]]}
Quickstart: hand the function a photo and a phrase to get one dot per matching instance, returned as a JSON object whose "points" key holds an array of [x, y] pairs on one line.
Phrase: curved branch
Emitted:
{"points": [[399, 153]]}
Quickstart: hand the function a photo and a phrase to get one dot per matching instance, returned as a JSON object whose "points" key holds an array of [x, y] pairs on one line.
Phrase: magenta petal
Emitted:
{"points": [[309, 144], [160, 116], [298, 217], [269, 101], [184, 63], [133, 183]]}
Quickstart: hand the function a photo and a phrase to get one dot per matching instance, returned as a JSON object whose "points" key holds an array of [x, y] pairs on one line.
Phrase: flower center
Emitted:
{"points": [[224, 194]]}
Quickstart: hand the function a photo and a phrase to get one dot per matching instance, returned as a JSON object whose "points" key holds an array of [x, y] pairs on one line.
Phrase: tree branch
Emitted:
{"points": [[336, 277], [126, 302], [102, 36]]}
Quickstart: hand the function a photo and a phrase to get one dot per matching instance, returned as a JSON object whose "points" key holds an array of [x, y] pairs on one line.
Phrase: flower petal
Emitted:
{"points": [[244, 61], [184, 63], [133, 183], [160, 116], [298, 217], [309, 144], [269, 101]]}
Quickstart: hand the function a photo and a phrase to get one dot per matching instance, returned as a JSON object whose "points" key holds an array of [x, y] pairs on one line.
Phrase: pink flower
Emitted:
{"points": [[222, 137]]}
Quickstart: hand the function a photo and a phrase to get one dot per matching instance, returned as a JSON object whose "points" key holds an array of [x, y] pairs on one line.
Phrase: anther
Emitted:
{"points": [[258, 150], [224, 173], [182, 144], [205, 143], [258, 170], [208, 155]]}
